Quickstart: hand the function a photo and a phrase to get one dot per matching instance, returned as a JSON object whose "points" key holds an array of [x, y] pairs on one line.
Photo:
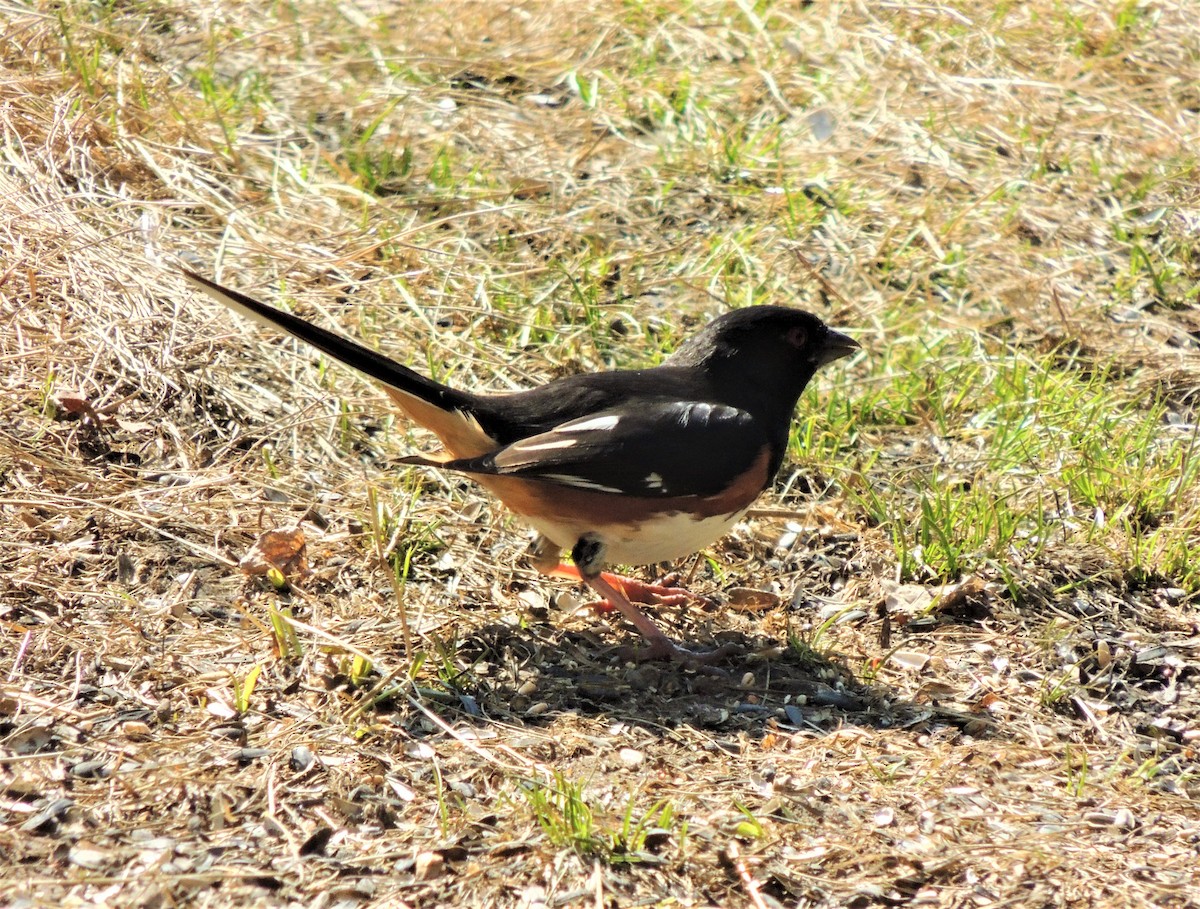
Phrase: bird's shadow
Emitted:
{"points": [[532, 674]]}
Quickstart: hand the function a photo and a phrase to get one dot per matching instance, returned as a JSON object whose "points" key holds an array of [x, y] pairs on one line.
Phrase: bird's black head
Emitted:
{"points": [[764, 353]]}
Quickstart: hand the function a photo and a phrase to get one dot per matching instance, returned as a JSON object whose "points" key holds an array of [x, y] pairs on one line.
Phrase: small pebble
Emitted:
{"points": [[86, 857], [631, 757], [428, 865]]}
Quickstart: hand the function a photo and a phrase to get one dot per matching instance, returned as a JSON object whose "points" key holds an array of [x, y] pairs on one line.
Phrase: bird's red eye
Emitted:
{"points": [[797, 337]]}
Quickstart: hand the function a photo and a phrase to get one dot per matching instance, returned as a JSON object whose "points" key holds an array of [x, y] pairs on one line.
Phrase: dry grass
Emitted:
{"points": [[1002, 201]]}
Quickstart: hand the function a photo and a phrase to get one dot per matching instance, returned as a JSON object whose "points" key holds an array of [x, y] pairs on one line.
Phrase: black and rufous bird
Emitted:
{"points": [[627, 467]]}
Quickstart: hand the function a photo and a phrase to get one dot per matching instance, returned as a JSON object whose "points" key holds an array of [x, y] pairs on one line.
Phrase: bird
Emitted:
{"points": [[618, 467]]}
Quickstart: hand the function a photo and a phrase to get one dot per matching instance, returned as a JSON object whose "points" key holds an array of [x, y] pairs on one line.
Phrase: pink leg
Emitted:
{"points": [[661, 647], [635, 591], [620, 592]]}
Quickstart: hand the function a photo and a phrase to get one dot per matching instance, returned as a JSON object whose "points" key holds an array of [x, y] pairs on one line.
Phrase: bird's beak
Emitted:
{"points": [[834, 346]]}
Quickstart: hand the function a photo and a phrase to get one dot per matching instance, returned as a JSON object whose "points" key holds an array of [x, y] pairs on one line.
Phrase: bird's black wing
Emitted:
{"points": [[656, 449]]}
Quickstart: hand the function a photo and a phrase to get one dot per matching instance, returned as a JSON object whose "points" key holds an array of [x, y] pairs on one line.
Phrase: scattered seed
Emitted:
{"points": [[135, 729]]}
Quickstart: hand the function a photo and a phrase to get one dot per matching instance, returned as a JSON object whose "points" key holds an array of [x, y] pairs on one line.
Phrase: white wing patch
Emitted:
{"points": [[653, 481], [569, 480], [543, 446], [604, 423]]}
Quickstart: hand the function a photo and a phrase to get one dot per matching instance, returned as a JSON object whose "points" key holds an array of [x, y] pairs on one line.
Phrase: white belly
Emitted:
{"points": [[663, 538]]}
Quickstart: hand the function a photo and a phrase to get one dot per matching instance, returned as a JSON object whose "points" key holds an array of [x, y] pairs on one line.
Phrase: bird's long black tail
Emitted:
{"points": [[353, 354]]}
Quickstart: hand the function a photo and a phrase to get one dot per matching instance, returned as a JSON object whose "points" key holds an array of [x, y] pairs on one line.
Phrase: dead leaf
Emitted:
{"points": [[967, 599], [282, 550], [77, 405], [751, 599]]}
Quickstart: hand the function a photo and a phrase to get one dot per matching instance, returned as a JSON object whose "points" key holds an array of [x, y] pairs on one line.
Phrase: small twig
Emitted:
{"points": [[598, 882], [25, 698], [20, 655], [815, 273], [734, 854], [1062, 313]]}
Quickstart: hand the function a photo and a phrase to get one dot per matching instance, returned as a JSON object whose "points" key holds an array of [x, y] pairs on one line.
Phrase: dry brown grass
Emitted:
{"points": [[989, 189]]}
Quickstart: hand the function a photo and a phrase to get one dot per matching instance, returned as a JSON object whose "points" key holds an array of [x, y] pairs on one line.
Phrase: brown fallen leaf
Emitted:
{"points": [[751, 599], [970, 597], [281, 550], [77, 405]]}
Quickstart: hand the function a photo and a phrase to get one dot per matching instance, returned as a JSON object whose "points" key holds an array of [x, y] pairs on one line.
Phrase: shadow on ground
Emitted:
{"points": [[765, 687]]}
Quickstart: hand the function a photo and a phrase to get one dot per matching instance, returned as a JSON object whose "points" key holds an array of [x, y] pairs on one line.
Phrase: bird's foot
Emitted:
{"points": [[663, 592], [659, 593], [659, 646]]}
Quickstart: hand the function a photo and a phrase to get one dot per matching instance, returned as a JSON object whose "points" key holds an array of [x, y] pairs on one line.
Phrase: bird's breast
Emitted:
{"points": [[663, 537], [636, 530]]}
